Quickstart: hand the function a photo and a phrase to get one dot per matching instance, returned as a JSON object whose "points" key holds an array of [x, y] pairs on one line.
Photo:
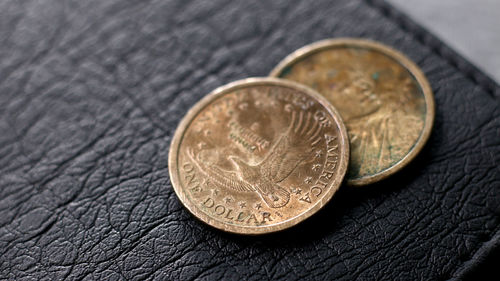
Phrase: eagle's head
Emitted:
{"points": [[247, 172]]}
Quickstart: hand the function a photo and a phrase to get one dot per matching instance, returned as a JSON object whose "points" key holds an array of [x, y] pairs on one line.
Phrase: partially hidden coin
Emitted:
{"points": [[258, 155], [383, 98]]}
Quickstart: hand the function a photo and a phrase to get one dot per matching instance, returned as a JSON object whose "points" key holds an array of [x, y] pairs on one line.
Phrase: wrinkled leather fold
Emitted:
{"points": [[91, 93]]}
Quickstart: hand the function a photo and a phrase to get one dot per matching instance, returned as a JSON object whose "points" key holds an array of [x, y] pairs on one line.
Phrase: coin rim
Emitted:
{"points": [[399, 58], [188, 118]]}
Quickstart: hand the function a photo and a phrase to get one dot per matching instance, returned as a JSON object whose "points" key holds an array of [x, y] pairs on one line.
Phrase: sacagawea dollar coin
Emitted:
{"points": [[258, 155], [383, 98]]}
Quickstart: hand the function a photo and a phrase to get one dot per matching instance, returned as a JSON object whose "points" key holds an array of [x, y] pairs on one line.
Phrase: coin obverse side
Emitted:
{"points": [[258, 155], [383, 98]]}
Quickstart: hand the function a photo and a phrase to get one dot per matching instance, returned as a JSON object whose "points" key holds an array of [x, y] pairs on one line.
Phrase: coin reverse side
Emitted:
{"points": [[258, 155], [383, 97]]}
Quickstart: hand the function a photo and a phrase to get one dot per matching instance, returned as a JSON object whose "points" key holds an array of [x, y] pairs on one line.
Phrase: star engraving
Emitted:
{"points": [[258, 206], [295, 190], [316, 167], [308, 180], [319, 153], [242, 204], [228, 199], [215, 191], [243, 106]]}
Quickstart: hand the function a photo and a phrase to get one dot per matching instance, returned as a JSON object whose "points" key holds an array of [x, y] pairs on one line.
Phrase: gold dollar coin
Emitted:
{"points": [[258, 155], [383, 97]]}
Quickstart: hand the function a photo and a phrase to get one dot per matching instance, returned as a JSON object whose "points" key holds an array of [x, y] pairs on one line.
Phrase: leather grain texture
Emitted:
{"points": [[91, 93]]}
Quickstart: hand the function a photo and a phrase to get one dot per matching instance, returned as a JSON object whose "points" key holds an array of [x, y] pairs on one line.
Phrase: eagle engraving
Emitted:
{"points": [[294, 146]]}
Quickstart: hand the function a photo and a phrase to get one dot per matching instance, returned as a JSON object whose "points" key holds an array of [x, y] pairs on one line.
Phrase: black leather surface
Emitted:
{"points": [[92, 91]]}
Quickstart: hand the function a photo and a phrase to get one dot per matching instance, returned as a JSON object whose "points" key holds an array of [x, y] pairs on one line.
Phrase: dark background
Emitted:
{"points": [[91, 93]]}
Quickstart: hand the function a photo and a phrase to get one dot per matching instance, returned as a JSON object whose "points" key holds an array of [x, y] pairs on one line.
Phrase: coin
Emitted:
{"points": [[383, 97], [258, 155]]}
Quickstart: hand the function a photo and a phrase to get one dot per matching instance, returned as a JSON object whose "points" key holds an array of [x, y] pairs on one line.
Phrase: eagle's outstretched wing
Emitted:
{"points": [[293, 147], [224, 178]]}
